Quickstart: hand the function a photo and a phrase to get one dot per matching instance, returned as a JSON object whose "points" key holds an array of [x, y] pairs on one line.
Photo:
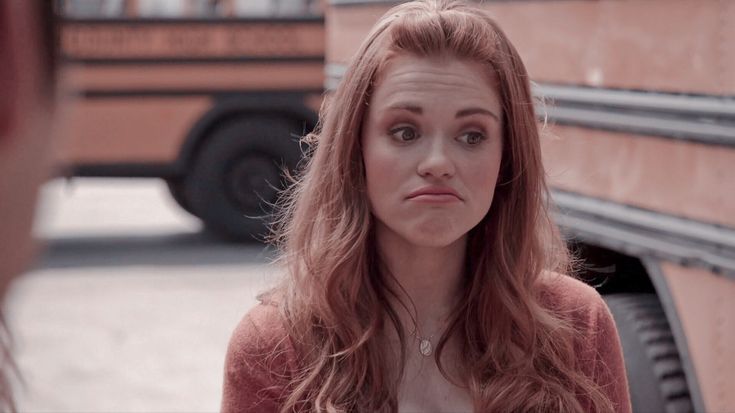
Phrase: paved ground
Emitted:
{"points": [[131, 306]]}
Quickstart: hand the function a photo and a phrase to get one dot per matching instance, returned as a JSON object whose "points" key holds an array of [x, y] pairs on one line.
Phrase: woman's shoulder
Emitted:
{"points": [[566, 293], [575, 301], [259, 363], [260, 331], [597, 348]]}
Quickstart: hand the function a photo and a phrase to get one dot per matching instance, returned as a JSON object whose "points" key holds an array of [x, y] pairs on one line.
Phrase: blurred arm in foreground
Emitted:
{"points": [[27, 101]]}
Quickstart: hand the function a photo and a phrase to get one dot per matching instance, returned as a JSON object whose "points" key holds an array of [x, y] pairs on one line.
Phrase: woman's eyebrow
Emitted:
{"points": [[461, 113], [476, 111], [408, 107]]}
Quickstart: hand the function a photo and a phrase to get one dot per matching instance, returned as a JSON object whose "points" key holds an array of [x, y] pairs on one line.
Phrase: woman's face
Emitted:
{"points": [[432, 143]]}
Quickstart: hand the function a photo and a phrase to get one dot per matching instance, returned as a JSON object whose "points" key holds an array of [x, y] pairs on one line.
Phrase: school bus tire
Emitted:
{"points": [[655, 374], [176, 189], [237, 174]]}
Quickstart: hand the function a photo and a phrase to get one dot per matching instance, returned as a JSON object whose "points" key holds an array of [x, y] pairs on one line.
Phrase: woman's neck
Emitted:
{"points": [[431, 277]]}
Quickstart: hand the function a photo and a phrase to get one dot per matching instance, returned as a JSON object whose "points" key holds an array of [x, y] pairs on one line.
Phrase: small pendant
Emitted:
{"points": [[425, 347]]}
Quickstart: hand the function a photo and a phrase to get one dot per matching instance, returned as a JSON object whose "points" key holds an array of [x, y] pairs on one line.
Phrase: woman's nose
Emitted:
{"points": [[436, 160]]}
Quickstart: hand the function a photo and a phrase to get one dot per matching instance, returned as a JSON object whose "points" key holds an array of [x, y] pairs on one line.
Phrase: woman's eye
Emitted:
{"points": [[472, 138], [404, 134]]}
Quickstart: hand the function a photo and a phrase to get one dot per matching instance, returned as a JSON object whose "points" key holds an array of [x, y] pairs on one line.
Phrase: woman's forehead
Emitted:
{"points": [[407, 77], [397, 59]]}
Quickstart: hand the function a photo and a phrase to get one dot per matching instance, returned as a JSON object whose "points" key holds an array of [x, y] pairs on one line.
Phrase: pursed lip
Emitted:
{"points": [[434, 192]]}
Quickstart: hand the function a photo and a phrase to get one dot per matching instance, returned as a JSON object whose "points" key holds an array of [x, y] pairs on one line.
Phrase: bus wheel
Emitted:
{"points": [[176, 189], [237, 175], [655, 375]]}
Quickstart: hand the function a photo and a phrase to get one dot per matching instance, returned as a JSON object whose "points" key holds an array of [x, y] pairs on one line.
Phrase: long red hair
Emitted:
{"points": [[518, 356]]}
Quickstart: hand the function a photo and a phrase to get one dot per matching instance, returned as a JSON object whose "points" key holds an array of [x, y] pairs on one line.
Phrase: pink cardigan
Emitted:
{"points": [[260, 357]]}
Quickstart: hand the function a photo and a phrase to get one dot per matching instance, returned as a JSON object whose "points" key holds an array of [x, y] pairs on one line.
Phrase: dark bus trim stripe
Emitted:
{"points": [[123, 170], [189, 60], [173, 93], [706, 119], [644, 100], [690, 130], [644, 233]]}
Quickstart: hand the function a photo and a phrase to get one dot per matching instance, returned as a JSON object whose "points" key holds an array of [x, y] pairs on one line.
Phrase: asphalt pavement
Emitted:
{"points": [[131, 304]]}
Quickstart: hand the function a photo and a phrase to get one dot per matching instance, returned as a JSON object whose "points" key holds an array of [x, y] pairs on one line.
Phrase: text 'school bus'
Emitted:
{"points": [[213, 102], [641, 153]]}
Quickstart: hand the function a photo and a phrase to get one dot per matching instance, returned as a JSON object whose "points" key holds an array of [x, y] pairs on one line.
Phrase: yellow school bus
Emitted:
{"points": [[212, 98], [639, 151]]}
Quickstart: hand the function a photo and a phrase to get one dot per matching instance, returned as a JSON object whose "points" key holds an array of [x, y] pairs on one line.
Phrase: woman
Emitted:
{"points": [[419, 247]]}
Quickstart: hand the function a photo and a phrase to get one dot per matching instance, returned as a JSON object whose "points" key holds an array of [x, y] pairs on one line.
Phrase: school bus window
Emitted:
{"points": [[189, 8], [276, 7], [92, 8]]}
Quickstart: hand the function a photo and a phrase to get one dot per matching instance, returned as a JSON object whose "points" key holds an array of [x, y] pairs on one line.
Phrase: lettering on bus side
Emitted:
{"points": [[263, 40], [191, 40], [80, 41]]}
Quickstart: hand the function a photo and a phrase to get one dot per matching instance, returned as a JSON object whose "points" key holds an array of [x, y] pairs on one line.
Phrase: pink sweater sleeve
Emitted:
{"points": [[258, 364], [599, 352], [608, 369]]}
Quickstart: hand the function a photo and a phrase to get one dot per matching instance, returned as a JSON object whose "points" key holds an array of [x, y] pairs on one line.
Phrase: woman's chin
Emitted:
{"points": [[422, 233], [434, 239]]}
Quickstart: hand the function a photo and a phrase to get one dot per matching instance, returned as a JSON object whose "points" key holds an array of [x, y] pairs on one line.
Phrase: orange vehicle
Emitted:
{"points": [[639, 150], [210, 100]]}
